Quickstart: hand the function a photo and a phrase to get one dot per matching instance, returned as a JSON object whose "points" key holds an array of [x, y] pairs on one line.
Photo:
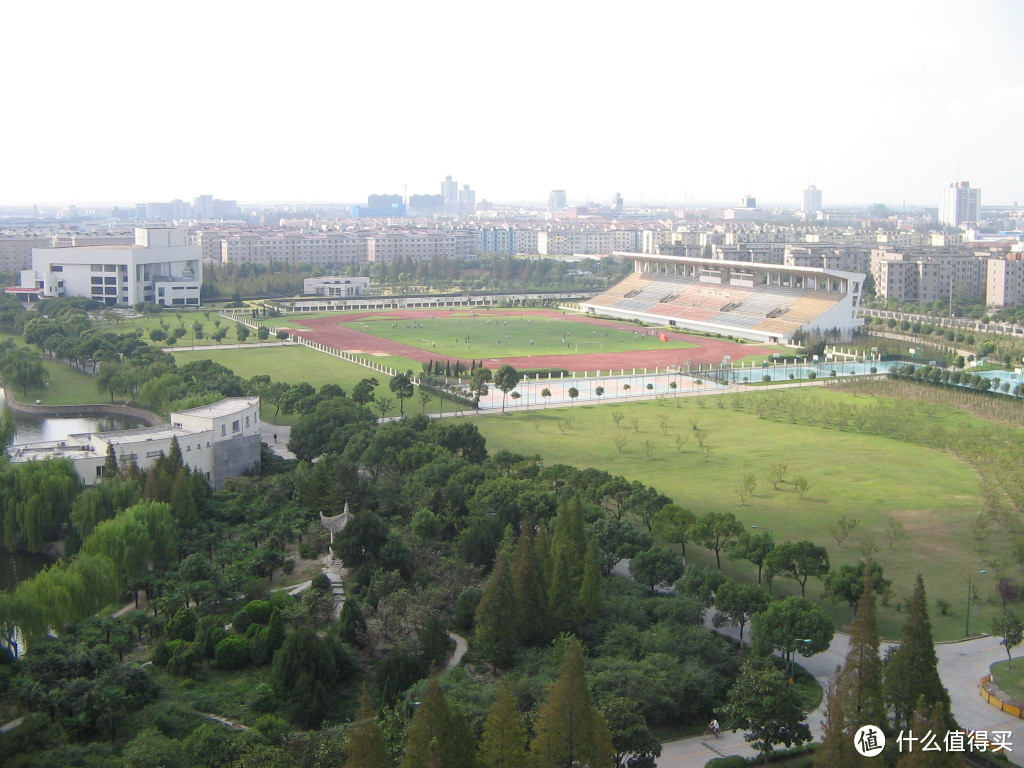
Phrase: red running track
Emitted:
{"points": [[327, 331]]}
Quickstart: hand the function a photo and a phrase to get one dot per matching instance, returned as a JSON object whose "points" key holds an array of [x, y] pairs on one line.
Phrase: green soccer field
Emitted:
{"points": [[523, 335]]}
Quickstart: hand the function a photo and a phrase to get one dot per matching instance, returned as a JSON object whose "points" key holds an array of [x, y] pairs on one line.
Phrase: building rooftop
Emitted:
{"points": [[141, 435], [221, 408]]}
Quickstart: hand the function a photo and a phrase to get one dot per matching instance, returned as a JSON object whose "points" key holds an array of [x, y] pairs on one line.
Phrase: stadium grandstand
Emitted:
{"points": [[761, 302]]}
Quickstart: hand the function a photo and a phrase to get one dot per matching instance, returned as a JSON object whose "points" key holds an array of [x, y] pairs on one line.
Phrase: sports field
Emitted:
{"points": [[498, 336], [862, 476], [513, 336]]}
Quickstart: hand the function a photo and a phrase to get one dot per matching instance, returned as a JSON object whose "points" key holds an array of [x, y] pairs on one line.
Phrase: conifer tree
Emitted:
{"points": [[497, 617], [110, 464], [439, 736], [855, 697], [911, 672], [591, 598], [529, 591], [568, 550], [174, 456], [275, 631], [542, 544], [366, 747], [182, 501], [351, 624], [503, 744], [568, 730], [914, 754]]}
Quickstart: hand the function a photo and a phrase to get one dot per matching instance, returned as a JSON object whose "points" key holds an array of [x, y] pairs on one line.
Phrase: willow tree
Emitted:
{"points": [[142, 535]]}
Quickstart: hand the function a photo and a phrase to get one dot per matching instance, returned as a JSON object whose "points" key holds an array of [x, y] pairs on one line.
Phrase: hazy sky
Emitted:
{"points": [[680, 100]]}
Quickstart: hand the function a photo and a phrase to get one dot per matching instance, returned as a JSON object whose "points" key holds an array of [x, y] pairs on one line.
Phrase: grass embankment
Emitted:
{"points": [[297, 364], [872, 479]]}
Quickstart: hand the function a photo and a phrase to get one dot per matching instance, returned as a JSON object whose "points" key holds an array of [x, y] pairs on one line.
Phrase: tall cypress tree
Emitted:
{"points": [[591, 598], [497, 617], [503, 744], [366, 747], [855, 698], [110, 464], [568, 550], [912, 673], [439, 736], [917, 756], [568, 729], [529, 591]]}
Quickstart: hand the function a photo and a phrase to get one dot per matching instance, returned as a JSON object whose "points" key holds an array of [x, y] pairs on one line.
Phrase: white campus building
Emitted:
{"points": [[335, 287], [160, 267], [220, 440]]}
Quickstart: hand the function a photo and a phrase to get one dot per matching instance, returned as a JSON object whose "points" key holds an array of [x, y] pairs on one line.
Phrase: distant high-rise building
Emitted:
{"points": [[203, 206], [450, 194], [617, 204], [467, 201], [959, 205], [557, 200], [748, 201], [812, 200]]}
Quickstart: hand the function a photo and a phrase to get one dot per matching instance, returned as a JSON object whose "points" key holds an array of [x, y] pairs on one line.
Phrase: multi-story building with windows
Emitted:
{"points": [[959, 205], [159, 268], [317, 249], [1004, 282], [220, 440], [927, 274]]}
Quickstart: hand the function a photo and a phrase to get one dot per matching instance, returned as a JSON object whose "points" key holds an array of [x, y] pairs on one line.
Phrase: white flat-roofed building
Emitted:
{"points": [[339, 287], [159, 268], [220, 440]]}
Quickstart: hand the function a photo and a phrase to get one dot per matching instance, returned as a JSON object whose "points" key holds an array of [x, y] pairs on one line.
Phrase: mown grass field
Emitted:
{"points": [[186, 319], [483, 336], [294, 364], [869, 478]]}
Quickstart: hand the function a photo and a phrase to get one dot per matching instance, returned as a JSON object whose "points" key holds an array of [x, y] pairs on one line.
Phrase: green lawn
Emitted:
{"points": [[295, 364], [865, 477], [65, 385], [519, 335], [1010, 679], [172, 321]]}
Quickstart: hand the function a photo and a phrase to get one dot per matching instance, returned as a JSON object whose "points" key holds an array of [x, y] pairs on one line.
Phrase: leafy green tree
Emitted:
{"points": [[275, 631], [753, 548], [911, 675], [1010, 627], [715, 531], [738, 603], [401, 385], [635, 745], [151, 749], [846, 583], [478, 381], [787, 622], [701, 583], [182, 625], [655, 566], [672, 524], [503, 743], [568, 730], [506, 378], [617, 540], [799, 560], [766, 707]]}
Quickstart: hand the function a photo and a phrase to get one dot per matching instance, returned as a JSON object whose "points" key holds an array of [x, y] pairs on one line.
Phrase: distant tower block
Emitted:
{"points": [[557, 200], [617, 204], [812, 200], [748, 201]]}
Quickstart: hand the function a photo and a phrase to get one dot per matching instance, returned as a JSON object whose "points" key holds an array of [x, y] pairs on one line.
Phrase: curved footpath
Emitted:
{"points": [[961, 667]]}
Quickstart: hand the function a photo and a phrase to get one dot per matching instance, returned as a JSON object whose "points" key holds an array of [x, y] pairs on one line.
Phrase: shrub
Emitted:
{"points": [[184, 658], [259, 611], [308, 551], [733, 761], [241, 621], [812, 375], [321, 583], [766, 378], [263, 698], [182, 625], [273, 729], [288, 566], [232, 653], [160, 655]]}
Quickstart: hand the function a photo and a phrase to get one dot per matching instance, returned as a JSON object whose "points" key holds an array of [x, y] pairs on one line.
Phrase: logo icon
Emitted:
{"points": [[869, 740]]}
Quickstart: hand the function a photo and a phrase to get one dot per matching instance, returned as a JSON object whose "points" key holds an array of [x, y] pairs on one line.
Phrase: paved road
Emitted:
{"points": [[278, 446], [961, 666]]}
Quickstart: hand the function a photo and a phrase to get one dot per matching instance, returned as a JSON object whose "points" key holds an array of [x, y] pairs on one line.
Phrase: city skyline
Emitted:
{"points": [[665, 104]]}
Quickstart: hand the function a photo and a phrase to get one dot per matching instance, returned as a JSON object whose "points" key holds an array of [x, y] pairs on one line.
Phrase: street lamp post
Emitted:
{"points": [[792, 653], [970, 594]]}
